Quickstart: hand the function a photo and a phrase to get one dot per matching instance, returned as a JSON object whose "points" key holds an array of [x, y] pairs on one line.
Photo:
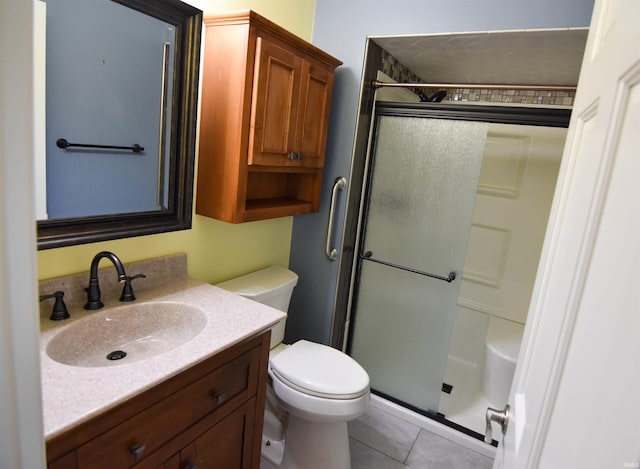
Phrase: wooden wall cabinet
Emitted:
{"points": [[208, 416], [266, 99]]}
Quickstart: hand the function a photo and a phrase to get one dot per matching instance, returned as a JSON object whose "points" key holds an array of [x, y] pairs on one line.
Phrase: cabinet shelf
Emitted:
{"points": [[261, 209]]}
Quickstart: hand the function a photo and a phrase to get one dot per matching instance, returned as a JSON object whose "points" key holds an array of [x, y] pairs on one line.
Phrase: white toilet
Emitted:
{"points": [[314, 390]]}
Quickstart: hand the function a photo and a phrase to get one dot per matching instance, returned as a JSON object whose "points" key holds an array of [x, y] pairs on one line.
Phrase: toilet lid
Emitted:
{"points": [[320, 370]]}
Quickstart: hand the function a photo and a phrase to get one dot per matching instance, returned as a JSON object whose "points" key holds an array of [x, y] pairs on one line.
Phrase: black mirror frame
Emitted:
{"points": [[72, 231]]}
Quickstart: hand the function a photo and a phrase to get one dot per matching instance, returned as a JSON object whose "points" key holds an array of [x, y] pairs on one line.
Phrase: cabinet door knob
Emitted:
{"points": [[218, 397], [137, 450]]}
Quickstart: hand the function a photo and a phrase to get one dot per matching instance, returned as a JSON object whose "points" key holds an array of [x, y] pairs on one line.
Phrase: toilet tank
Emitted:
{"points": [[272, 286]]}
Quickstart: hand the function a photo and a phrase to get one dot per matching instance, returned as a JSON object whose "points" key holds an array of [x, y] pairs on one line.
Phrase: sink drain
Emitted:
{"points": [[116, 355]]}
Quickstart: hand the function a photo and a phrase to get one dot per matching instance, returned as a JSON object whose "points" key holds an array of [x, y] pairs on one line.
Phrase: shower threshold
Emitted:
{"points": [[435, 423]]}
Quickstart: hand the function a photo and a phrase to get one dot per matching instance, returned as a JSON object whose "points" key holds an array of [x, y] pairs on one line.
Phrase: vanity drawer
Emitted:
{"points": [[214, 396]]}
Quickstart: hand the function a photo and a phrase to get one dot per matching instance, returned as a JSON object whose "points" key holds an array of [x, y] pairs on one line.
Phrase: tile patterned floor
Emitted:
{"points": [[379, 440]]}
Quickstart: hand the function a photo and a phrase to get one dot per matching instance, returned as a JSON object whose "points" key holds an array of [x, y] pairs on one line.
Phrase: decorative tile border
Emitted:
{"points": [[396, 70], [551, 98]]}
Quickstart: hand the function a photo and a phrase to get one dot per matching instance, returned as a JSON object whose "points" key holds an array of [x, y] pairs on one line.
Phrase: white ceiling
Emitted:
{"points": [[541, 57]]}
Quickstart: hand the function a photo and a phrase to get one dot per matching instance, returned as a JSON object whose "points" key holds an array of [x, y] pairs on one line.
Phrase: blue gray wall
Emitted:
{"points": [[341, 28], [104, 87]]}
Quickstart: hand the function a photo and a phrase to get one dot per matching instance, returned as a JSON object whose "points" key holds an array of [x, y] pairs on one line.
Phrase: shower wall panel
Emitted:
{"points": [[516, 186]]}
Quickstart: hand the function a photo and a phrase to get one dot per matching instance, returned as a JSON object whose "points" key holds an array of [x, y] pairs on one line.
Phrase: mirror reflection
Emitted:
{"points": [[104, 94], [121, 90]]}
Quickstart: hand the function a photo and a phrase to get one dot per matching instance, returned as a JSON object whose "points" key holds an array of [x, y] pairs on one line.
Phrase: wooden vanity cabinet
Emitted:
{"points": [[222, 446], [209, 416], [266, 99]]}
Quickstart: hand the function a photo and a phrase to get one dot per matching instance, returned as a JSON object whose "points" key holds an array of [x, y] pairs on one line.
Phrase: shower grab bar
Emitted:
{"points": [[64, 143], [367, 257], [331, 252]]}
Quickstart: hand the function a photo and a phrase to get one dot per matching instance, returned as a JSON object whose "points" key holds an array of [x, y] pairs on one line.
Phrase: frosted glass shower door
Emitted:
{"points": [[421, 193]]}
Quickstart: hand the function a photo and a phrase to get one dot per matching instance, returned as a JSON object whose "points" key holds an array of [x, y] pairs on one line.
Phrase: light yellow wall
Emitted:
{"points": [[216, 250], [294, 15]]}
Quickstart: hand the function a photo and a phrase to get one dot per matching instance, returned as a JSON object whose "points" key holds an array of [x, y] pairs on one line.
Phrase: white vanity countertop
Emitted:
{"points": [[72, 395]]}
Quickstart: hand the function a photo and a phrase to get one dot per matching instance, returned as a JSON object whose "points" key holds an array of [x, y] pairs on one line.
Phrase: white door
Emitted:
{"points": [[575, 400]]}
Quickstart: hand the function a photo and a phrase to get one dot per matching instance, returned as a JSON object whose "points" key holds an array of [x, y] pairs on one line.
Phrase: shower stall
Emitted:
{"points": [[436, 234], [427, 267]]}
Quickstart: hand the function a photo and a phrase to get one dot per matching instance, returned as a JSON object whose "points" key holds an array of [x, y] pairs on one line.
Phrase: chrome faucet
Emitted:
{"points": [[93, 290]]}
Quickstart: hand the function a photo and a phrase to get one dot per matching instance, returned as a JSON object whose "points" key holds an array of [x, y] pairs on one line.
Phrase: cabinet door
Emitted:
{"points": [[313, 117], [229, 444], [274, 105]]}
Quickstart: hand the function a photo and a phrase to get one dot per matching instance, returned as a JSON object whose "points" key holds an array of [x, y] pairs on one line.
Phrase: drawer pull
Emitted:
{"points": [[191, 466], [137, 451], [218, 397]]}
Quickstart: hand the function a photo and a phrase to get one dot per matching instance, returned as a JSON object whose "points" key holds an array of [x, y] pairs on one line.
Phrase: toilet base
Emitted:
{"points": [[265, 464], [272, 451], [315, 445]]}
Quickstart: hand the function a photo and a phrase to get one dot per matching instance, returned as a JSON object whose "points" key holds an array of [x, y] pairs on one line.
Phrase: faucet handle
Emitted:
{"points": [[127, 290], [59, 311]]}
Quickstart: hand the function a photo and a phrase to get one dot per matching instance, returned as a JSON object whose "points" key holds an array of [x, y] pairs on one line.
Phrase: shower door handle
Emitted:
{"points": [[501, 417], [331, 252]]}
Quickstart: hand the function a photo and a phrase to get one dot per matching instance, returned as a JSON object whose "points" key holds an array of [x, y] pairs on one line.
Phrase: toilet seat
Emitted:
{"points": [[315, 408], [320, 370]]}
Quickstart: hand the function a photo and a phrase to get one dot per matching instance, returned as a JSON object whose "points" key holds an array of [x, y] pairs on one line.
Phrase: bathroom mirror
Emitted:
{"points": [[120, 144]]}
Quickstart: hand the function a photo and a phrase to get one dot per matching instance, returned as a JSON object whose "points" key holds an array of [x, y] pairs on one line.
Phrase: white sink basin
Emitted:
{"points": [[141, 331]]}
